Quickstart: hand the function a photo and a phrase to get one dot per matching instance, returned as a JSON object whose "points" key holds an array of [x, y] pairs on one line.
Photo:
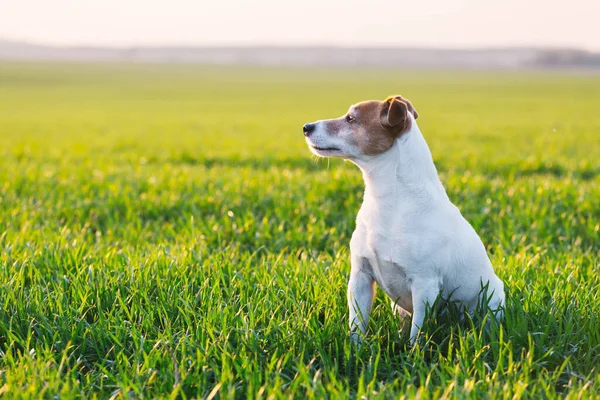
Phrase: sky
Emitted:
{"points": [[415, 23]]}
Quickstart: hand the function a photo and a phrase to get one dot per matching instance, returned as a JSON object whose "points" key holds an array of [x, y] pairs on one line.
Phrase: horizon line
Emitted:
{"points": [[19, 41]]}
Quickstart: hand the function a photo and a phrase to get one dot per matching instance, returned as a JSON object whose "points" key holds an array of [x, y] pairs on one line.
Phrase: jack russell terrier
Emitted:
{"points": [[409, 237]]}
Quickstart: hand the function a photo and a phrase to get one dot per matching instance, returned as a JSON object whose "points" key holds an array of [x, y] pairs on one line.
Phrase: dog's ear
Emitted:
{"points": [[395, 112], [409, 105]]}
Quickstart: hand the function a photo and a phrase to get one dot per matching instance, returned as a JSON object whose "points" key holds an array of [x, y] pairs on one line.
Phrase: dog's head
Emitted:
{"points": [[369, 128]]}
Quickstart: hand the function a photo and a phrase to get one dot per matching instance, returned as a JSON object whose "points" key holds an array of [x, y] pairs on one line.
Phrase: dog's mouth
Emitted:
{"points": [[324, 148]]}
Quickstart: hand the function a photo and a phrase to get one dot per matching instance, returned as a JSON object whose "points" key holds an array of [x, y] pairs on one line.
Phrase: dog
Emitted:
{"points": [[409, 238]]}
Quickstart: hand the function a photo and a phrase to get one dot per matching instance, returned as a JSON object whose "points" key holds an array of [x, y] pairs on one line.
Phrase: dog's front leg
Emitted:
{"points": [[424, 294], [361, 290]]}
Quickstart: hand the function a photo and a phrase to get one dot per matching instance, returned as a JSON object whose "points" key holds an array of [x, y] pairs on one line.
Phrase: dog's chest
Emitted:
{"points": [[379, 236], [377, 241]]}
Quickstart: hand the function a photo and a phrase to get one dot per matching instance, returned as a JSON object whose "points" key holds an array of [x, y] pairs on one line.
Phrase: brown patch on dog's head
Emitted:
{"points": [[377, 124], [369, 128]]}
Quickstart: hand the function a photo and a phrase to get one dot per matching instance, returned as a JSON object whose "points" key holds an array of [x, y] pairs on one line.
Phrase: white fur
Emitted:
{"points": [[409, 238], [321, 138]]}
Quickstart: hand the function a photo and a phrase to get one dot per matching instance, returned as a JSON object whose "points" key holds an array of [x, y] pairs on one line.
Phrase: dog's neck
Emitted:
{"points": [[405, 171]]}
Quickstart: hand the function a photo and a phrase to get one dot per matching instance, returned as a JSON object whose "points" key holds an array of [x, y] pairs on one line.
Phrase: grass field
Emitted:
{"points": [[164, 232]]}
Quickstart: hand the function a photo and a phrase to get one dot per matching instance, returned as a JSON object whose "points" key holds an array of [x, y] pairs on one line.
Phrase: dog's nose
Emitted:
{"points": [[308, 129]]}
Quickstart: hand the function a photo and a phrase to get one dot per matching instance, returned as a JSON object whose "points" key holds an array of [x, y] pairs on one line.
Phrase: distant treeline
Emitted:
{"points": [[492, 58], [567, 59]]}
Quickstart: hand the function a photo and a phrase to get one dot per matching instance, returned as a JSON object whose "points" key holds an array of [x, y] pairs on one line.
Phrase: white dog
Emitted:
{"points": [[409, 237]]}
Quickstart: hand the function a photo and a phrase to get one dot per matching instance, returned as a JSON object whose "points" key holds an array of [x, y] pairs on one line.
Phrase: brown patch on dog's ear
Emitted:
{"points": [[406, 102], [395, 113], [409, 105]]}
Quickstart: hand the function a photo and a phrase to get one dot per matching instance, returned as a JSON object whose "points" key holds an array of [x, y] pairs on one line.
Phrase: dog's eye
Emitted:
{"points": [[350, 118]]}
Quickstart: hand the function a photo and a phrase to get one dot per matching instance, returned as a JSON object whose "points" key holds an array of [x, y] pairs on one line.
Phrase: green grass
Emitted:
{"points": [[164, 232]]}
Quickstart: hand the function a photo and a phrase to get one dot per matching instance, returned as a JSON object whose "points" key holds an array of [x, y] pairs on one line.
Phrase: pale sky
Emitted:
{"points": [[430, 23]]}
